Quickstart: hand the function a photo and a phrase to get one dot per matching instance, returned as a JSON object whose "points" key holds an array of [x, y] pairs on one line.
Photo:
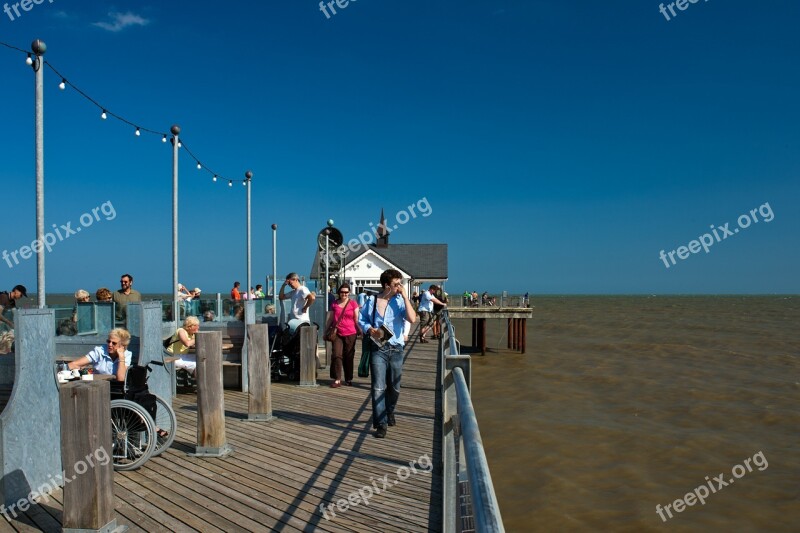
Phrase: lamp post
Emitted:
{"points": [[176, 130], [275, 266], [39, 48], [327, 279], [248, 176]]}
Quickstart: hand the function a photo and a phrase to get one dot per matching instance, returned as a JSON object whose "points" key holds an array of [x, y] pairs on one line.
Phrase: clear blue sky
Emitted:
{"points": [[561, 145]]}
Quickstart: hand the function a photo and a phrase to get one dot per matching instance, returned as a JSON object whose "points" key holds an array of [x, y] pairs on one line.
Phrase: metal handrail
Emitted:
{"points": [[469, 505], [484, 501]]}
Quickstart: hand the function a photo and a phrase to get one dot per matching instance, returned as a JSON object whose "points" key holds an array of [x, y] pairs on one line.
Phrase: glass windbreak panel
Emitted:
{"points": [[65, 323], [86, 319]]}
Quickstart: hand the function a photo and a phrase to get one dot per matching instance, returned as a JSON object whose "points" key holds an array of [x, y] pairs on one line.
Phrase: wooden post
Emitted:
{"points": [[259, 407], [86, 456], [211, 440], [524, 334], [308, 356], [510, 334]]}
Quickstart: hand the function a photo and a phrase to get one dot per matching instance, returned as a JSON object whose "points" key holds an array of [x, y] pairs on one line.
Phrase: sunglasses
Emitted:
{"points": [[344, 292], [112, 343]]}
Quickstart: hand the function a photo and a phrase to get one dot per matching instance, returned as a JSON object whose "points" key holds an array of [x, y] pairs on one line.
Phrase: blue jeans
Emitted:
{"points": [[386, 364]]}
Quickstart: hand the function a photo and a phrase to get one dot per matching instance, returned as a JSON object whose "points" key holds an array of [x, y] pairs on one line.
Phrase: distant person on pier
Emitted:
{"points": [[437, 310], [475, 301], [301, 297], [69, 326], [391, 308], [8, 302], [104, 294], [236, 297], [260, 292], [124, 296], [235, 294], [426, 303]]}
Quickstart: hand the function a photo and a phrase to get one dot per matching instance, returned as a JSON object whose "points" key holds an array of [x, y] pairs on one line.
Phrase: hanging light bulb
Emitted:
{"points": [[103, 115], [180, 144], [138, 132], [214, 178], [29, 61], [63, 84], [199, 166], [164, 138], [244, 183], [230, 183]]}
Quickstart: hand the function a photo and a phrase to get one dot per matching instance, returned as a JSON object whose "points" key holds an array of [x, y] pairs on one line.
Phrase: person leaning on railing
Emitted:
{"points": [[182, 341]]}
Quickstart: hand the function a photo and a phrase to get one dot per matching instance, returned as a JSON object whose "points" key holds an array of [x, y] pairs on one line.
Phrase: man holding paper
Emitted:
{"points": [[382, 319]]}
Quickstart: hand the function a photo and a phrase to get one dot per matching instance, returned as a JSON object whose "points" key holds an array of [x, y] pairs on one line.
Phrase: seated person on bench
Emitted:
{"points": [[113, 358], [180, 343]]}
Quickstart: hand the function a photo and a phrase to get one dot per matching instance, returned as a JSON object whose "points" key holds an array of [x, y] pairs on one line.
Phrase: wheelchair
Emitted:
{"points": [[142, 424], [285, 353]]}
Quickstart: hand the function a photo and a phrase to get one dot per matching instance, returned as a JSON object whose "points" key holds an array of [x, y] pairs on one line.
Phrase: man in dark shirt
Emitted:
{"points": [[8, 302]]}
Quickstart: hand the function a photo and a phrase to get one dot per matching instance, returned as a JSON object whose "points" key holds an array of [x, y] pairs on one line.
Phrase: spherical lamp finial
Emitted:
{"points": [[175, 129], [330, 222], [274, 226], [248, 175], [38, 47]]}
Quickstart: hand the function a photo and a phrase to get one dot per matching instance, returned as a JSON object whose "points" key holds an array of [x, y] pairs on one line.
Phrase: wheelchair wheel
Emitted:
{"points": [[132, 435], [165, 420]]}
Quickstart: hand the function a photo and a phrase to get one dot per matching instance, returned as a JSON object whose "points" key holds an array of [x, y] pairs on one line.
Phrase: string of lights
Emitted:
{"points": [[138, 130]]}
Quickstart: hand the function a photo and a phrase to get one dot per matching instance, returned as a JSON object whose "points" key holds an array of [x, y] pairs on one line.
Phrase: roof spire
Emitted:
{"points": [[382, 233]]}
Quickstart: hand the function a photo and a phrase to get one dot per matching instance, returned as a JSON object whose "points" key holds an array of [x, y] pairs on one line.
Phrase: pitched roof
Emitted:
{"points": [[422, 261]]}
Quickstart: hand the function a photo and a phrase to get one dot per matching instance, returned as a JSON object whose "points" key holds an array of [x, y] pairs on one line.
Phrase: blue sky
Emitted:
{"points": [[560, 145]]}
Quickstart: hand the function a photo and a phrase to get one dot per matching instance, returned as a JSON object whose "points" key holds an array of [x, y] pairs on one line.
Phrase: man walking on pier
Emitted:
{"points": [[383, 319]]}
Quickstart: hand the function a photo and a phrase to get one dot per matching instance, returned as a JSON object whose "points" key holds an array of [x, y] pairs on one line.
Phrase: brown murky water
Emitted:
{"points": [[625, 403]]}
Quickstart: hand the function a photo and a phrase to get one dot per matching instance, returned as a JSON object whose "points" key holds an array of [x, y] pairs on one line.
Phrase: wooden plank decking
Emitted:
{"points": [[319, 450]]}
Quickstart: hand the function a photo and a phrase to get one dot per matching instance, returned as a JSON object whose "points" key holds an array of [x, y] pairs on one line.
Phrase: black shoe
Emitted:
{"points": [[390, 419], [380, 432]]}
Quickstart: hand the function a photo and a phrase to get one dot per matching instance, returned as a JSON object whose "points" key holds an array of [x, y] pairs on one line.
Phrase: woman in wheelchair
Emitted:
{"points": [[112, 358]]}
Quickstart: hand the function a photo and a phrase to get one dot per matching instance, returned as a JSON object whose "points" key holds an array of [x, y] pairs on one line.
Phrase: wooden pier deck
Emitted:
{"points": [[319, 450]]}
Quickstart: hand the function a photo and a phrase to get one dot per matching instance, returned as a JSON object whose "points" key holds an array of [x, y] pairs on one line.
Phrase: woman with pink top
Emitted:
{"points": [[344, 315]]}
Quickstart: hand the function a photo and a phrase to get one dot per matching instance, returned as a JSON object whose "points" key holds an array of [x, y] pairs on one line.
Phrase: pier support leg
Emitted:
{"points": [[482, 334], [524, 333], [510, 335]]}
